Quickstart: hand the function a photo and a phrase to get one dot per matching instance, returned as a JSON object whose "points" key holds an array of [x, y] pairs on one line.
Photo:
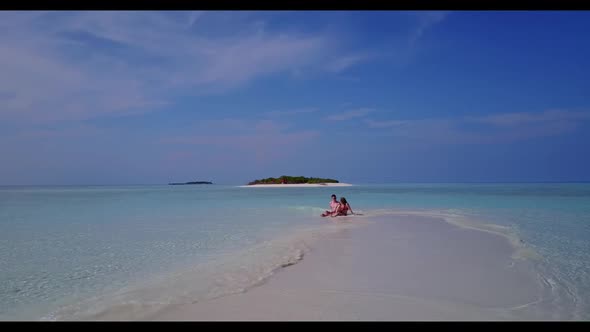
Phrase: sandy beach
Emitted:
{"points": [[297, 185], [394, 268]]}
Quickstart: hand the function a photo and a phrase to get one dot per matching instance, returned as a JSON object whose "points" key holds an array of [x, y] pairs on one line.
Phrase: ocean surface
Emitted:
{"points": [[82, 252]]}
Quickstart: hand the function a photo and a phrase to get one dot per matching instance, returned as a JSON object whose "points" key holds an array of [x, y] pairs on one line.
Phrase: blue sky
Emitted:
{"points": [[364, 97]]}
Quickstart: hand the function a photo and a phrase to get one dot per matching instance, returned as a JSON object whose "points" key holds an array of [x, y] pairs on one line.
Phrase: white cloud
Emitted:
{"points": [[426, 20], [358, 113], [384, 124], [194, 17], [296, 111], [240, 60], [60, 66], [497, 128], [523, 118], [342, 63], [69, 66], [262, 140]]}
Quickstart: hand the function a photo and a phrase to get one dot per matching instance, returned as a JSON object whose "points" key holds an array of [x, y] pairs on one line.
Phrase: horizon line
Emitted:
{"points": [[359, 183]]}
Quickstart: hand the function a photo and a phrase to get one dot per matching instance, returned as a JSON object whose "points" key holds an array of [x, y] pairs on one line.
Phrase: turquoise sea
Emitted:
{"points": [[70, 252]]}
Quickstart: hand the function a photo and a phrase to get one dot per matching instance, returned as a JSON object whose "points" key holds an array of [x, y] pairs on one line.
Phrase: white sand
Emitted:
{"points": [[400, 268], [297, 185]]}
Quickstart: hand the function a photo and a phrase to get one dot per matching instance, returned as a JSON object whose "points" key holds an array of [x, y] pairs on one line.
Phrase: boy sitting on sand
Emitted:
{"points": [[333, 206]]}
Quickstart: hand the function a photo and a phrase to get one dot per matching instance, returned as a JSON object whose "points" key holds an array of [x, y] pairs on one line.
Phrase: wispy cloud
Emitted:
{"points": [[384, 123], [297, 111], [78, 65], [498, 128], [194, 17], [426, 20], [524, 118], [358, 113], [71, 132], [342, 63], [264, 140], [242, 60]]}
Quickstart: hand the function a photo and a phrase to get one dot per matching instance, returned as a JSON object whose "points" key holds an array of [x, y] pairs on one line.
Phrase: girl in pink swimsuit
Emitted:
{"points": [[342, 208]]}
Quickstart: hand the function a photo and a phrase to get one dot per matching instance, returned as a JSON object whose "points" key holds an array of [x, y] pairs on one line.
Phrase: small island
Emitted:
{"points": [[295, 181], [194, 182], [292, 180]]}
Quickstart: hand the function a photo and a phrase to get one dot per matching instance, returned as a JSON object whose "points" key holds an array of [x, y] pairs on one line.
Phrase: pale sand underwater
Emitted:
{"points": [[395, 268], [297, 185], [419, 251]]}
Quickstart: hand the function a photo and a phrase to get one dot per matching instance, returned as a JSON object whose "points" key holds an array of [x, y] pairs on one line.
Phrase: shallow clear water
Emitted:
{"points": [[63, 245]]}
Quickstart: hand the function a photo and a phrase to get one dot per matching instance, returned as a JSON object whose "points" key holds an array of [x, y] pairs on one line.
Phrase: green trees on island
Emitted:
{"points": [[194, 182], [292, 180]]}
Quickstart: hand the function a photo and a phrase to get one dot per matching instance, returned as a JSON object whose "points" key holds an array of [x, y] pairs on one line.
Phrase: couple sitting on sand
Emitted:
{"points": [[338, 208]]}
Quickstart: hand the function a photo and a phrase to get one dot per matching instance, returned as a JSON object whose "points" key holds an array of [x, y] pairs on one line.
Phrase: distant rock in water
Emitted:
{"points": [[195, 182]]}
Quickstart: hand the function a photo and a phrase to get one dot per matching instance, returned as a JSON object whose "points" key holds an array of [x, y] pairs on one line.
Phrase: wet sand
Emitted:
{"points": [[396, 268]]}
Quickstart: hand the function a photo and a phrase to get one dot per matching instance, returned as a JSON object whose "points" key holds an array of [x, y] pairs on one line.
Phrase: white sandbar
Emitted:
{"points": [[397, 268], [297, 185]]}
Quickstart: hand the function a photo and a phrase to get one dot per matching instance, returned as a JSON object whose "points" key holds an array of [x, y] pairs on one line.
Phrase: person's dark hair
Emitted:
{"points": [[333, 196], [343, 200]]}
